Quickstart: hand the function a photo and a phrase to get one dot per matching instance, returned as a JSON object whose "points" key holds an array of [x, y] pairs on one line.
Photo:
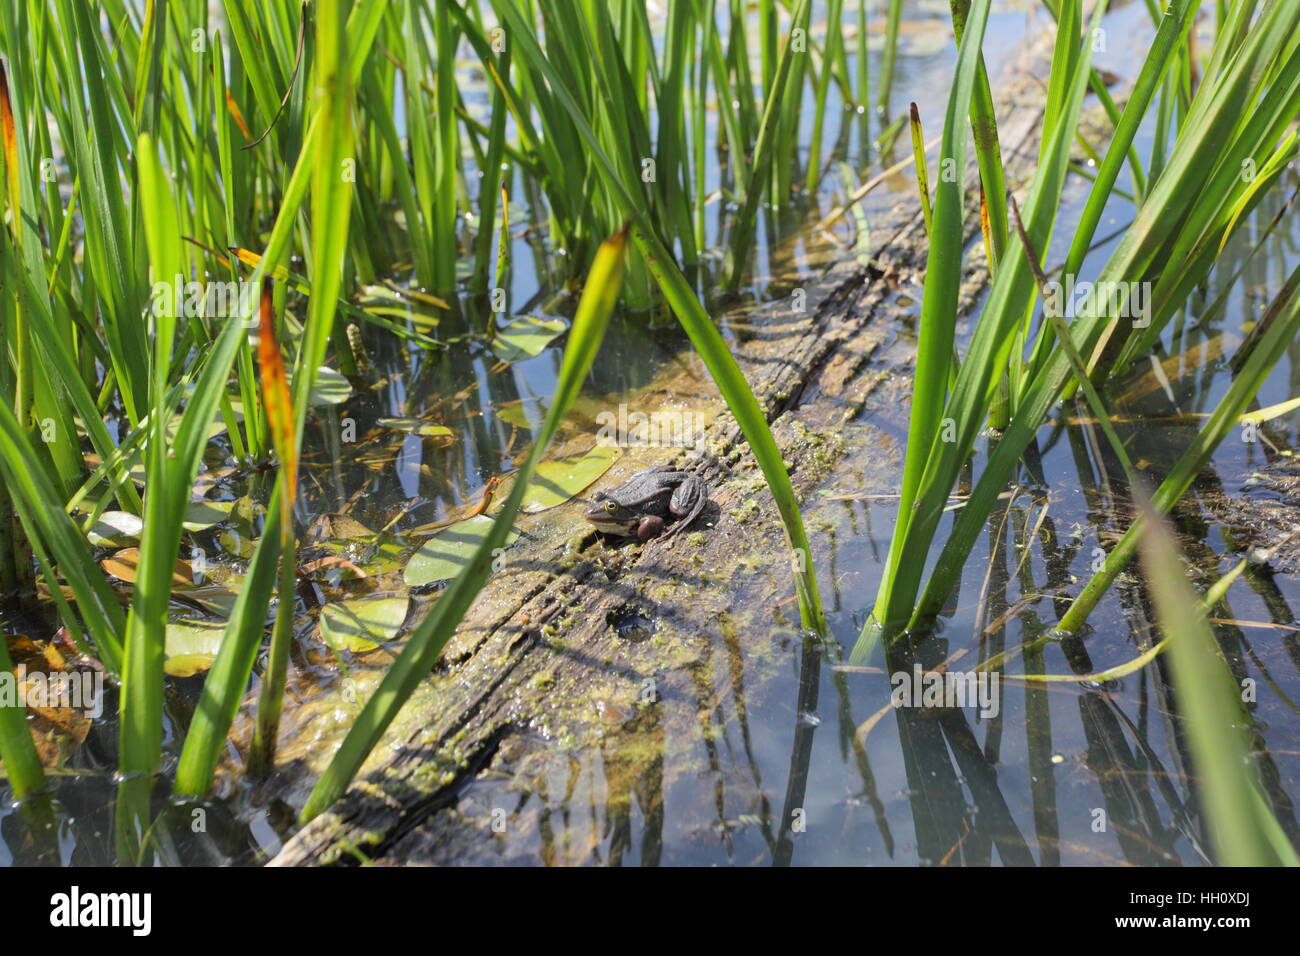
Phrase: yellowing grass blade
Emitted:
{"points": [[275, 396], [10, 149], [253, 260], [237, 115]]}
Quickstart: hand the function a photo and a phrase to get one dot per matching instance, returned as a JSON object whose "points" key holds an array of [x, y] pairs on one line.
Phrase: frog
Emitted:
{"points": [[642, 506]]}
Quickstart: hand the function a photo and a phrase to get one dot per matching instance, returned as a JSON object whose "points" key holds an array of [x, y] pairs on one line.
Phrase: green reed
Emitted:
{"points": [[1184, 217], [1242, 825], [147, 142]]}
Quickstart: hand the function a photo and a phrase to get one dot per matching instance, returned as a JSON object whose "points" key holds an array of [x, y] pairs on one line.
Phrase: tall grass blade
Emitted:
{"points": [[426, 643], [938, 306], [1240, 822]]}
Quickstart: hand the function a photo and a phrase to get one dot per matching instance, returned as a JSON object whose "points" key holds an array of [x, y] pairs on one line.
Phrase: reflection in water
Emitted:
{"points": [[728, 762]]}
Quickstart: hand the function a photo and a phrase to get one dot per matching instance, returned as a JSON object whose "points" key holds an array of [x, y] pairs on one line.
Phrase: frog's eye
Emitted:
{"points": [[611, 506]]}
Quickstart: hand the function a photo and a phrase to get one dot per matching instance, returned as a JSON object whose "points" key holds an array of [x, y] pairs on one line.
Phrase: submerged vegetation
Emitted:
{"points": [[206, 213]]}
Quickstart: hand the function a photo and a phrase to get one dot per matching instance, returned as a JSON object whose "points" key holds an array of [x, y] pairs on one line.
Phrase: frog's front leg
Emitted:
{"points": [[651, 526], [688, 500]]}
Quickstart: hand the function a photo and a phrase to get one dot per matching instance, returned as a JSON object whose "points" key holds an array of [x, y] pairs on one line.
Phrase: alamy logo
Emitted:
{"points": [[1116, 300], [76, 690], [947, 689], [211, 300], [668, 427], [73, 909]]}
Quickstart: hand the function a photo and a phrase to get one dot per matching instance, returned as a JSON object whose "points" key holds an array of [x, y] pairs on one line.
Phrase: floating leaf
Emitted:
{"points": [[330, 388], [237, 544], [442, 556], [192, 646], [362, 624], [558, 480], [201, 515], [373, 556], [246, 518], [215, 598], [125, 564], [247, 514], [417, 307], [418, 426], [116, 529], [58, 727], [516, 413], [526, 337]]}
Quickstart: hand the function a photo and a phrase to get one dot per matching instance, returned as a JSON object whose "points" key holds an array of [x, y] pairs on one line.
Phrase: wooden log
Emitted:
{"points": [[585, 663]]}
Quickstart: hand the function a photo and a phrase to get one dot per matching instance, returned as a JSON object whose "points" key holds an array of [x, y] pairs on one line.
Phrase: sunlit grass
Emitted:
{"points": [[264, 146], [311, 149], [1183, 218]]}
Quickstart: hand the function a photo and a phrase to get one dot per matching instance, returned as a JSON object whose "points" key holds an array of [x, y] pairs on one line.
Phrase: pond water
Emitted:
{"points": [[809, 765]]}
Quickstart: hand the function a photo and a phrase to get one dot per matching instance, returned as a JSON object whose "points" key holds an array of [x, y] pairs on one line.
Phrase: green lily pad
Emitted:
{"points": [[247, 511], [213, 598], [362, 624], [558, 480], [192, 646], [375, 557], [236, 544], [444, 555], [239, 538], [516, 413], [116, 529], [215, 428], [329, 388], [418, 426], [420, 309], [346, 526], [526, 337], [201, 515]]}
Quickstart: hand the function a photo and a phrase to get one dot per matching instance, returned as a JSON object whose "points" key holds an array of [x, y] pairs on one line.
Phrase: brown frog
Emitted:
{"points": [[641, 506]]}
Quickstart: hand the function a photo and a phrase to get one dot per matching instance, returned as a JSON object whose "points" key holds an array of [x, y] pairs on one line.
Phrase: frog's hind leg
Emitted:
{"points": [[687, 503]]}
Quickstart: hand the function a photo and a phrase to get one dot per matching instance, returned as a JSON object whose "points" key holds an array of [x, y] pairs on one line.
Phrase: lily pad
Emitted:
{"points": [[374, 556], [362, 624], [419, 308], [237, 545], [240, 537], [116, 529], [201, 515], [329, 388], [516, 413], [418, 426], [124, 565], [558, 480], [526, 337], [192, 646], [444, 555], [213, 598]]}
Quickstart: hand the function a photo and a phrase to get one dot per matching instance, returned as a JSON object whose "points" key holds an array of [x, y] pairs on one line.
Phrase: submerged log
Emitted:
{"points": [[586, 663]]}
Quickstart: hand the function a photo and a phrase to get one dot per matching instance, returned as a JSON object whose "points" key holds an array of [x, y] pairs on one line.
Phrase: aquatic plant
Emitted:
{"points": [[307, 153], [1184, 216], [1242, 826], [150, 156]]}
